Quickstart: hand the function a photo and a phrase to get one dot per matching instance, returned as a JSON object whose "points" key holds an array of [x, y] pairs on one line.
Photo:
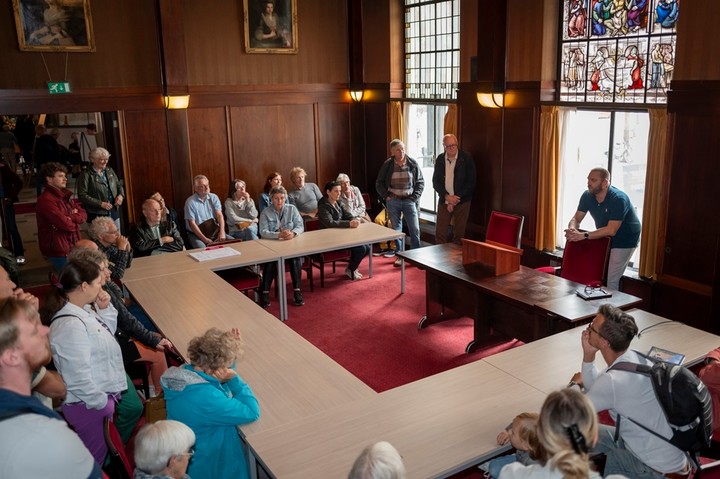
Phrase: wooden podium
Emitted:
{"points": [[499, 258]]}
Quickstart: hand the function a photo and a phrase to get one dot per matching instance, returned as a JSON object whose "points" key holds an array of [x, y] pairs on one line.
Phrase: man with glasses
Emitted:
{"points": [[116, 247], [204, 220], [637, 453], [454, 181]]}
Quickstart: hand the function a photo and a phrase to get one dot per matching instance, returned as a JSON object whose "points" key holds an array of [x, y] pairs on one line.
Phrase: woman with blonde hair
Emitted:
{"points": [[209, 397], [567, 429]]}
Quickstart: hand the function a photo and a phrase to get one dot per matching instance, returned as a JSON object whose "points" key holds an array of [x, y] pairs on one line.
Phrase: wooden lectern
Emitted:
{"points": [[498, 257]]}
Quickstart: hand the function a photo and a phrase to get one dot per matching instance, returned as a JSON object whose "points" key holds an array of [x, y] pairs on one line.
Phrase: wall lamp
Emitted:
{"points": [[357, 95], [179, 102], [491, 100]]}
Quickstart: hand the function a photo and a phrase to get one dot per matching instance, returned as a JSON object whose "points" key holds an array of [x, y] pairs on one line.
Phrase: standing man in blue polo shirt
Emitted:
{"points": [[614, 216]]}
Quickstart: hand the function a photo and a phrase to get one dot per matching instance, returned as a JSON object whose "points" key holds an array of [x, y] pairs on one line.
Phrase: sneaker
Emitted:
{"points": [[398, 262], [265, 299], [380, 252], [20, 260], [353, 275], [298, 297], [389, 253]]}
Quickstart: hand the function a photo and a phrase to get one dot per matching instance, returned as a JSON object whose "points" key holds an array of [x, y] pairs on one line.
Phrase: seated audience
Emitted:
{"points": [[152, 235], [167, 214], [352, 199], [281, 221], [136, 342], [85, 351], [34, 440], [379, 461], [116, 247], [242, 216], [58, 216], [710, 375], [210, 397], [204, 221], [273, 180], [521, 434], [566, 430], [304, 196], [163, 450], [332, 214]]}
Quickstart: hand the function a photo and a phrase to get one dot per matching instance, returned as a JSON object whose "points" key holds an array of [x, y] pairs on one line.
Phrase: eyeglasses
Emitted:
{"points": [[190, 453], [591, 289], [454, 145]]}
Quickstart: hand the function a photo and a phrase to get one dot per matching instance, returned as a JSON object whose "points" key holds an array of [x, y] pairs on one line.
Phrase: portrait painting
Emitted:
{"points": [[270, 26], [54, 25]]}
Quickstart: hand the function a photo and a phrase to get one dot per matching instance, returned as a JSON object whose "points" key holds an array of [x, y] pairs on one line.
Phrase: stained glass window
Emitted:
{"points": [[617, 51], [432, 49]]}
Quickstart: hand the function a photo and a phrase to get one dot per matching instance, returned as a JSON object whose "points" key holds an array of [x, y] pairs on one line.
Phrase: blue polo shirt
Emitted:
{"points": [[615, 207]]}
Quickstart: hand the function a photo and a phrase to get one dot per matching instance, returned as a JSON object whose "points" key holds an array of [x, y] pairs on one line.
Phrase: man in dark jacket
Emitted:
{"points": [[454, 180], [400, 184], [153, 236]]}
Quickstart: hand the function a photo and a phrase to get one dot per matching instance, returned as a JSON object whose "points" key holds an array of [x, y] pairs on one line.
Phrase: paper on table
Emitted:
{"points": [[213, 252]]}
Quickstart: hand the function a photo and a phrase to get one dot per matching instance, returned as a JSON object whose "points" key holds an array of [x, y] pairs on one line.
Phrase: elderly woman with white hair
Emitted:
{"points": [[379, 461], [99, 188], [104, 232], [351, 199], [163, 450]]}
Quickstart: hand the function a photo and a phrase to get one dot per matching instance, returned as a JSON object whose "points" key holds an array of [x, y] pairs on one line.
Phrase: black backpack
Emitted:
{"points": [[683, 398]]}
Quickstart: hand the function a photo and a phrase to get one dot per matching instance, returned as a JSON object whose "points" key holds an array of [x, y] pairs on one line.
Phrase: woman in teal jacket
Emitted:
{"points": [[212, 400]]}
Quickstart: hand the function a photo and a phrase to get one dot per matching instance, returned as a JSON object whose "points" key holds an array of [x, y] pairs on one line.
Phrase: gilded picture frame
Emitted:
{"points": [[54, 25], [270, 26]]}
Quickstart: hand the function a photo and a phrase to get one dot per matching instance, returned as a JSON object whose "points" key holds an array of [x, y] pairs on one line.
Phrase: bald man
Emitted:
{"points": [[87, 244], [152, 235]]}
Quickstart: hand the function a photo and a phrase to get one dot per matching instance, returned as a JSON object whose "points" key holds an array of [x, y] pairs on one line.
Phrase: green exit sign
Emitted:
{"points": [[58, 87]]}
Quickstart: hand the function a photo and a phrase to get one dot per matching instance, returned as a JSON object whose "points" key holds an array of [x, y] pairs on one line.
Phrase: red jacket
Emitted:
{"points": [[58, 221]]}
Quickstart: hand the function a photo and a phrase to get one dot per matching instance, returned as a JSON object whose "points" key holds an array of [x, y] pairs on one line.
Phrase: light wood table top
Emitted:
{"points": [[440, 425], [290, 377], [251, 252], [549, 363]]}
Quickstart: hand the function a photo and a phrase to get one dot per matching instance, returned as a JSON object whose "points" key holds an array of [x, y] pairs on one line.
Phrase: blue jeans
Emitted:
{"points": [[408, 208], [12, 229], [58, 262], [619, 459], [248, 234], [494, 466]]}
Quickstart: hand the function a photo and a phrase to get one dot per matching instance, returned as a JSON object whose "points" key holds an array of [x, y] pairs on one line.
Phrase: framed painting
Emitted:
{"points": [[270, 26], [54, 25]]}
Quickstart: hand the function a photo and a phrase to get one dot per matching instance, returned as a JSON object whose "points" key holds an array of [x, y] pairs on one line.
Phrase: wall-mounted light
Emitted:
{"points": [[357, 95], [180, 102], [491, 100]]}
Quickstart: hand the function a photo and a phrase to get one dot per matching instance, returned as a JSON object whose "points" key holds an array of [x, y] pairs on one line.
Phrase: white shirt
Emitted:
{"points": [[450, 174]]}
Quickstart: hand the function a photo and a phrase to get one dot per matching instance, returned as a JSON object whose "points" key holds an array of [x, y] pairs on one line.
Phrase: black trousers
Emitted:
{"points": [[270, 272]]}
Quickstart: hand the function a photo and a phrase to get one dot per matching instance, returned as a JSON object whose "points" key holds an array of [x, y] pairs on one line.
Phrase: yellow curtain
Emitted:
{"points": [[450, 123], [396, 120], [548, 178], [654, 194]]}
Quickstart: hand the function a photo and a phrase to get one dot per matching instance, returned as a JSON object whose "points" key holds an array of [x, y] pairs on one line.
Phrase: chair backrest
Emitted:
{"points": [[312, 224], [119, 466], [366, 199], [586, 261], [505, 228]]}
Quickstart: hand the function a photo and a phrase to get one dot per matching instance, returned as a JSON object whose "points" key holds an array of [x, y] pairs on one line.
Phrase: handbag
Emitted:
{"points": [[173, 357], [155, 408], [210, 229]]}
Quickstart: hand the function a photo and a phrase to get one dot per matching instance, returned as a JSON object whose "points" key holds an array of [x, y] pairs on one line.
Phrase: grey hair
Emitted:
{"points": [[100, 226], [99, 152], [342, 177], [379, 461], [158, 442], [86, 254]]}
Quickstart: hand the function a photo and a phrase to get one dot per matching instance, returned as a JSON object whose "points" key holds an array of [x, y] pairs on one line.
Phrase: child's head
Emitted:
{"points": [[523, 434]]}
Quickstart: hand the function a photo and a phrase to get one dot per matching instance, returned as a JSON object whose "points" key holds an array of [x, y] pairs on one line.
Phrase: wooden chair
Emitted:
{"points": [[583, 262], [505, 228], [319, 260], [119, 465]]}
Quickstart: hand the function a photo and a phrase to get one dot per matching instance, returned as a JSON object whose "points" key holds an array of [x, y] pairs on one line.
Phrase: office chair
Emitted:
{"points": [[505, 228], [584, 262]]}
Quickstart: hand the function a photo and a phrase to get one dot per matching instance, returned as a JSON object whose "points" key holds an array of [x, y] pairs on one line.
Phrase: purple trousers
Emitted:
{"points": [[88, 424]]}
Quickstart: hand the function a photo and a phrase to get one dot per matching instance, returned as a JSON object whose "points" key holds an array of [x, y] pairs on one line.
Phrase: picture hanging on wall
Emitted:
{"points": [[54, 25], [270, 26]]}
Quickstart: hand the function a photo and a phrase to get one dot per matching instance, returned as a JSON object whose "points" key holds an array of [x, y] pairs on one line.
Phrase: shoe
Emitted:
{"points": [[389, 253], [398, 262], [265, 299], [298, 297], [380, 252], [20, 260], [353, 275]]}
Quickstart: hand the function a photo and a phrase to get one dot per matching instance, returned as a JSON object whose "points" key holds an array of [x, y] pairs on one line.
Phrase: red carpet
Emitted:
{"points": [[24, 208], [369, 328]]}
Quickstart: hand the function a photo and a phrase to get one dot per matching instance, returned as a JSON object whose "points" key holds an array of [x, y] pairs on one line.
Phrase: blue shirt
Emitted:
{"points": [[615, 207], [200, 211]]}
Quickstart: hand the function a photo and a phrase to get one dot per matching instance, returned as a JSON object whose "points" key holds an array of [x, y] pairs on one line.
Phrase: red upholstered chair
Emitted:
{"points": [[584, 262], [119, 464], [242, 279], [505, 228], [368, 205], [319, 260]]}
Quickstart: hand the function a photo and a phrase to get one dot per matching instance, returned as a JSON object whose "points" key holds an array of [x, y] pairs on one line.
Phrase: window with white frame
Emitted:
{"points": [[432, 71]]}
